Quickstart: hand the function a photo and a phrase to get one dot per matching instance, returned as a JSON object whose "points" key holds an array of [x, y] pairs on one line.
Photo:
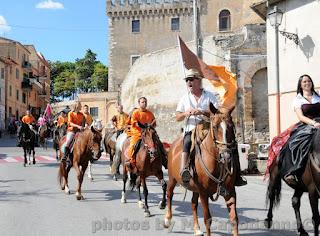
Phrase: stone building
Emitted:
{"points": [[145, 26]]}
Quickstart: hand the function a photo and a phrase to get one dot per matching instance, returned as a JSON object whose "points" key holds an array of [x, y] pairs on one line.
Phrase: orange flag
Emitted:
{"points": [[223, 81]]}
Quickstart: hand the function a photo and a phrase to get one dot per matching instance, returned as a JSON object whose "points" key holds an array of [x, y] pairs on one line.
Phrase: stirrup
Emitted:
{"points": [[240, 181], [185, 175]]}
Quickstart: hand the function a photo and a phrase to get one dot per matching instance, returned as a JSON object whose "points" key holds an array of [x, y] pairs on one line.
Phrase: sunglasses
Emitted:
{"points": [[190, 79]]}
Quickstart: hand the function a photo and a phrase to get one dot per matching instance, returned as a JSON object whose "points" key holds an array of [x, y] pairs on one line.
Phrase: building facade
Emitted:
{"points": [[140, 27], [296, 57], [2, 93], [22, 66]]}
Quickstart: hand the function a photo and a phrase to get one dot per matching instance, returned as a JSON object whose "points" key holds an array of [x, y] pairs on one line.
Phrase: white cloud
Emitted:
{"points": [[49, 4], [4, 27]]}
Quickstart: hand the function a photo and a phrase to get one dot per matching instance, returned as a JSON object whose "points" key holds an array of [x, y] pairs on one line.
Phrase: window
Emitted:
{"points": [[94, 112], [24, 97], [10, 91], [17, 95], [10, 111], [17, 73], [224, 20], [2, 73], [135, 26], [175, 24], [134, 58]]}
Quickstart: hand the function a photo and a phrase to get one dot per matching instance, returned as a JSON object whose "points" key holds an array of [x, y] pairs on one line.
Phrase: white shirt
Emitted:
{"points": [[300, 100], [189, 101]]}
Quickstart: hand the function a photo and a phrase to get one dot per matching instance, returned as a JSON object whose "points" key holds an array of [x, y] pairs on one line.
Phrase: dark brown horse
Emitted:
{"points": [[212, 171], [148, 163], [87, 146], [58, 133], [109, 142], [28, 137], [44, 134], [310, 182]]}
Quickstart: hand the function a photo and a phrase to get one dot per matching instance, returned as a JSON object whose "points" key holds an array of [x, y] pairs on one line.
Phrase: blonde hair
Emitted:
{"points": [[76, 106]]}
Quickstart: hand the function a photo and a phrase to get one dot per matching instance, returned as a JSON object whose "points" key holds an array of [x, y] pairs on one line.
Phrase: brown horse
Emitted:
{"points": [[148, 163], [58, 133], [212, 171], [310, 183], [109, 142], [44, 133], [87, 146]]}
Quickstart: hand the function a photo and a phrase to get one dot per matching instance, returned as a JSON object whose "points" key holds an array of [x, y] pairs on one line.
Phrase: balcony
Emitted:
{"points": [[42, 94], [27, 66], [37, 84], [26, 84]]}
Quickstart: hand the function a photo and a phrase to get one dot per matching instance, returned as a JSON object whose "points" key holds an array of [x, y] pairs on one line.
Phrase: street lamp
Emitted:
{"points": [[275, 18]]}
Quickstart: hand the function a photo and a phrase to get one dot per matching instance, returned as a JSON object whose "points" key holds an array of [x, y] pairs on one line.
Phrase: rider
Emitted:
{"points": [[62, 119], [30, 120], [76, 122], [119, 120], [194, 106], [143, 116], [87, 116]]}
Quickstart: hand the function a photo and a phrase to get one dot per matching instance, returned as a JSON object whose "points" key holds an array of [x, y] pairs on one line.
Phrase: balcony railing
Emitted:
{"points": [[26, 65], [26, 84]]}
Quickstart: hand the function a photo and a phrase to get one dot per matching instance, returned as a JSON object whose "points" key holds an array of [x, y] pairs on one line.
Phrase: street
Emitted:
{"points": [[32, 203]]}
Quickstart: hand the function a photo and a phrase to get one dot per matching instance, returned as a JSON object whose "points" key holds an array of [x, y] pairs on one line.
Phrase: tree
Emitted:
{"points": [[99, 77], [64, 85]]}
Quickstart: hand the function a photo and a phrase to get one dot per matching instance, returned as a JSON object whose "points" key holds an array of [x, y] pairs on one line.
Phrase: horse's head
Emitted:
{"points": [[222, 130], [148, 137], [95, 140]]}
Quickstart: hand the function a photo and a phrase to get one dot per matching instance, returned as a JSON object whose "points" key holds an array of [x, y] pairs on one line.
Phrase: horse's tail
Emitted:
{"points": [[61, 174], [274, 188]]}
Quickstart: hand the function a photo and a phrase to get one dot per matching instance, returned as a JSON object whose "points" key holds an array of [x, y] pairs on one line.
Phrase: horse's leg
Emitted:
{"points": [[296, 201], [140, 203], [171, 184], [124, 178], [163, 202], [313, 198], [25, 156], [33, 156], [90, 171], [145, 193], [80, 174], [194, 205], [231, 202], [66, 175], [206, 212]]}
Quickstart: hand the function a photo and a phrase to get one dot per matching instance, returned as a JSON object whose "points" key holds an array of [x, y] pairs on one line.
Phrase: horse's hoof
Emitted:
{"points": [[67, 190], [198, 232], [80, 197], [123, 200], [166, 223], [62, 188], [303, 233], [24, 164], [267, 223], [162, 205], [34, 162], [147, 213], [141, 204], [115, 178]]}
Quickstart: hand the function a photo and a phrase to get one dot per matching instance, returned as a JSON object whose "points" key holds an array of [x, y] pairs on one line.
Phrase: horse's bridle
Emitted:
{"points": [[149, 149]]}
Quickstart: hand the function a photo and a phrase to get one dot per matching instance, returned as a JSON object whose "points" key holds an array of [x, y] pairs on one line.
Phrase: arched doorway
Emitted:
{"points": [[260, 113]]}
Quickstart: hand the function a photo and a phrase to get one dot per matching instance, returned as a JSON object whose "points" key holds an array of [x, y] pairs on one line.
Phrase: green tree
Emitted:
{"points": [[99, 77], [64, 85]]}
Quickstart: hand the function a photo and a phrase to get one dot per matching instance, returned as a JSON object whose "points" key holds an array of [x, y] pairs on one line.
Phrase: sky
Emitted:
{"points": [[60, 29]]}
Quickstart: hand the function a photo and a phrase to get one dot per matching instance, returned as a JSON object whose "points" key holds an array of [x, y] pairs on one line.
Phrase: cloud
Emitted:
{"points": [[4, 27], [49, 4]]}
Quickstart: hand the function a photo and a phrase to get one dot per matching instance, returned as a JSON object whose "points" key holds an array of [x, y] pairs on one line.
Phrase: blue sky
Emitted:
{"points": [[60, 29]]}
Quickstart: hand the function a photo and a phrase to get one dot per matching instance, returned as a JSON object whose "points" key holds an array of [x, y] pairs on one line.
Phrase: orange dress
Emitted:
{"points": [[88, 118], [28, 119], [62, 120], [144, 117], [75, 118]]}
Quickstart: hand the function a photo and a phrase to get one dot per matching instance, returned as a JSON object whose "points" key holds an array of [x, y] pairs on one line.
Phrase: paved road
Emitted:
{"points": [[31, 203]]}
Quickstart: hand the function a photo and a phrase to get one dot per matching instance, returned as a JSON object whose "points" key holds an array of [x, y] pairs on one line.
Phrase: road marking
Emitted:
{"points": [[10, 159]]}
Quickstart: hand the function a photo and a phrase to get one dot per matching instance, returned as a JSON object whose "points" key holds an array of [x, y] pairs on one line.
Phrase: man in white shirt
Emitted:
{"points": [[194, 106]]}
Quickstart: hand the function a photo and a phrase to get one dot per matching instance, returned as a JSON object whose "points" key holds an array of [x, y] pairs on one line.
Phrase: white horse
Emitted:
{"points": [[117, 156]]}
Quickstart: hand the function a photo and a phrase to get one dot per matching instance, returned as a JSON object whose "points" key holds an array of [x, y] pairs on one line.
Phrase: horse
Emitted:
{"points": [[109, 142], [213, 170], [309, 183], [44, 134], [148, 163], [87, 146], [27, 143], [117, 156], [58, 133]]}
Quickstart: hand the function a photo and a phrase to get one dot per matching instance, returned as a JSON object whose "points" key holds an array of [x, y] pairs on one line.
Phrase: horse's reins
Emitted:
{"points": [[224, 170]]}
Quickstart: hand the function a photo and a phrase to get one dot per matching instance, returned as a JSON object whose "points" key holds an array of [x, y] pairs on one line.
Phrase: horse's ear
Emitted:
{"points": [[212, 108], [93, 129]]}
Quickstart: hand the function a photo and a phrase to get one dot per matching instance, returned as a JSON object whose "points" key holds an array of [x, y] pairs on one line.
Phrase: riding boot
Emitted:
{"points": [[240, 181], [184, 171]]}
